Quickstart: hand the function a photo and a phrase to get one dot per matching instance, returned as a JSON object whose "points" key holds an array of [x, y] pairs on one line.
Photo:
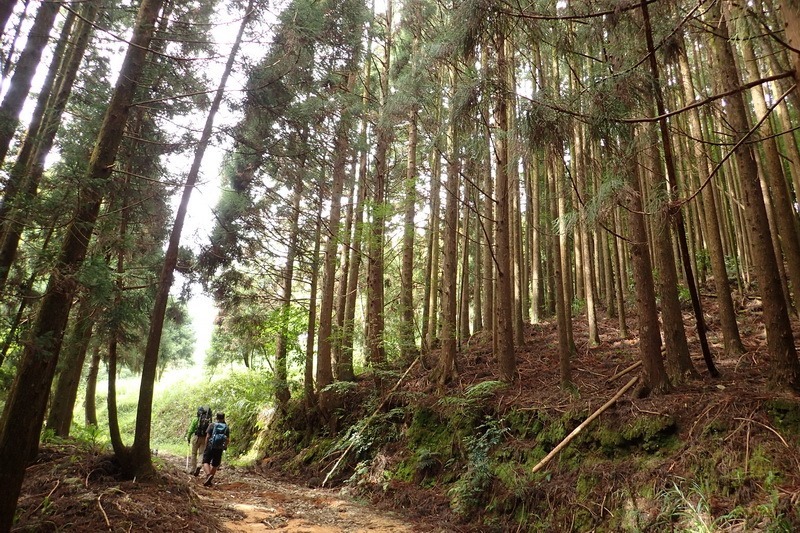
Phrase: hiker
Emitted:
{"points": [[217, 437], [196, 437]]}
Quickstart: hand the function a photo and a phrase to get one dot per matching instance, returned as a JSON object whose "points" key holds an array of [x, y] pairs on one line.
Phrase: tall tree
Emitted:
{"points": [[139, 462], [376, 350], [505, 355], [24, 71], [447, 369], [25, 175], [784, 365], [730, 329], [27, 399]]}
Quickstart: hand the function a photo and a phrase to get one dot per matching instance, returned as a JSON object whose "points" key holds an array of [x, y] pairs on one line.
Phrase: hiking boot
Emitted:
{"points": [[197, 471], [208, 481]]}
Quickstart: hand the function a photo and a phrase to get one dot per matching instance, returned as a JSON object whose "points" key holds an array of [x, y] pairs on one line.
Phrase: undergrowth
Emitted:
{"points": [[621, 474]]}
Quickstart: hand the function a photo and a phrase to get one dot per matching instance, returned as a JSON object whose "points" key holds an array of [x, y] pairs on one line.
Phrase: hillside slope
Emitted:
{"points": [[716, 454]]}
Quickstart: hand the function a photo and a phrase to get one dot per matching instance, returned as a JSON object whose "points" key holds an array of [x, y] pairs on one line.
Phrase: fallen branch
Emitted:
{"points": [[765, 427], [46, 497], [100, 505], [637, 364], [583, 424], [367, 422]]}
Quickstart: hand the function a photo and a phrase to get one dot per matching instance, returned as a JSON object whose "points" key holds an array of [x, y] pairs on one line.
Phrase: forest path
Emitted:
{"points": [[248, 502]]}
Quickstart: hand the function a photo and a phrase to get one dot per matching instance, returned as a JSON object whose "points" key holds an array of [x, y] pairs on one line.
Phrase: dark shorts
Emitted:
{"points": [[214, 457]]}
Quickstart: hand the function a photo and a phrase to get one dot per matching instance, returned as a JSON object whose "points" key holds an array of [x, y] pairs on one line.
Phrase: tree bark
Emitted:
{"points": [[65, 393], [310, 399], [282, 394], [6, 8], [506, 360], [376, 351], [790, 10], [679, 365], [430, 296], [559, 296], [89, 403], [17, 174], [324, 373], [777, 186], [447, 368], [655, 378], [408, 344]]}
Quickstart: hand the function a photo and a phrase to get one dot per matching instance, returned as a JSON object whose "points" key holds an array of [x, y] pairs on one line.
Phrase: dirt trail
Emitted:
{"points": [[250, 503]]}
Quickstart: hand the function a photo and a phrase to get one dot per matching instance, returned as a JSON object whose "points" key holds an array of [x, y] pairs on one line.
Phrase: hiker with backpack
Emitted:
{"points": [[217, 436], [196, 437]]}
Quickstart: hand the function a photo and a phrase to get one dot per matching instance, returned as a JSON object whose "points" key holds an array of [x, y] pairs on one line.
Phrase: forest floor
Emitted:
{"points": [[74, 488]]}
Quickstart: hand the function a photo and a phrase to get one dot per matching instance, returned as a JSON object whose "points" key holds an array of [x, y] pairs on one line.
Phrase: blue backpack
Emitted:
{"points": [[219, 437]]}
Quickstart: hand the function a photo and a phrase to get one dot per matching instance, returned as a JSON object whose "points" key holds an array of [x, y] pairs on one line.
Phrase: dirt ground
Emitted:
{"points": [[72, 488], [75, 488], [252, 503]]}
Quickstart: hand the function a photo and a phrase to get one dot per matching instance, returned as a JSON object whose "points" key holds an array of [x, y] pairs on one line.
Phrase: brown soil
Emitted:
{"points": [[71, 488], [76, 489]]}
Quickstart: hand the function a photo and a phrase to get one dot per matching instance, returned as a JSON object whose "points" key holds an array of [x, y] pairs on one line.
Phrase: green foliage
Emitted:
{"points": [[241, 395], [685, 505], [703, 258], [684, 296], [248, 333], [648, 433], [473, 396], [786, 415], [469, 492]]}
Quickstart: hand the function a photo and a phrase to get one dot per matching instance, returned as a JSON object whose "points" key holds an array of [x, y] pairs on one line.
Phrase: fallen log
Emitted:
{"points": [[583, 424]]}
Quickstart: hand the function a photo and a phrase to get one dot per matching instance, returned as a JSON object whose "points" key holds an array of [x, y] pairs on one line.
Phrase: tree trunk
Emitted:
{"points": [[376, 351], [679, 365], [683, 366], [781, 352], [655, 375], [559, 296], [587, 272], [6, 9], [564, 256], [345, 364], [620, 277], [89, 403], [25, 69], [308, 368], [533, 216], [790, 11], [408, 344], [785, 218], [464, 292], [340, 156], [506, 361], [282, 394], [141, 465], [59, 419], [486, 221], [727, 313], [24, 177], [27, 399], [447, 368], [429, 299]]}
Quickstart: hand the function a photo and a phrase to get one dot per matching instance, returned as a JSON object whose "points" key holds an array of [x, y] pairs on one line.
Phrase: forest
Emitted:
{"points": [[417, 201]]}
